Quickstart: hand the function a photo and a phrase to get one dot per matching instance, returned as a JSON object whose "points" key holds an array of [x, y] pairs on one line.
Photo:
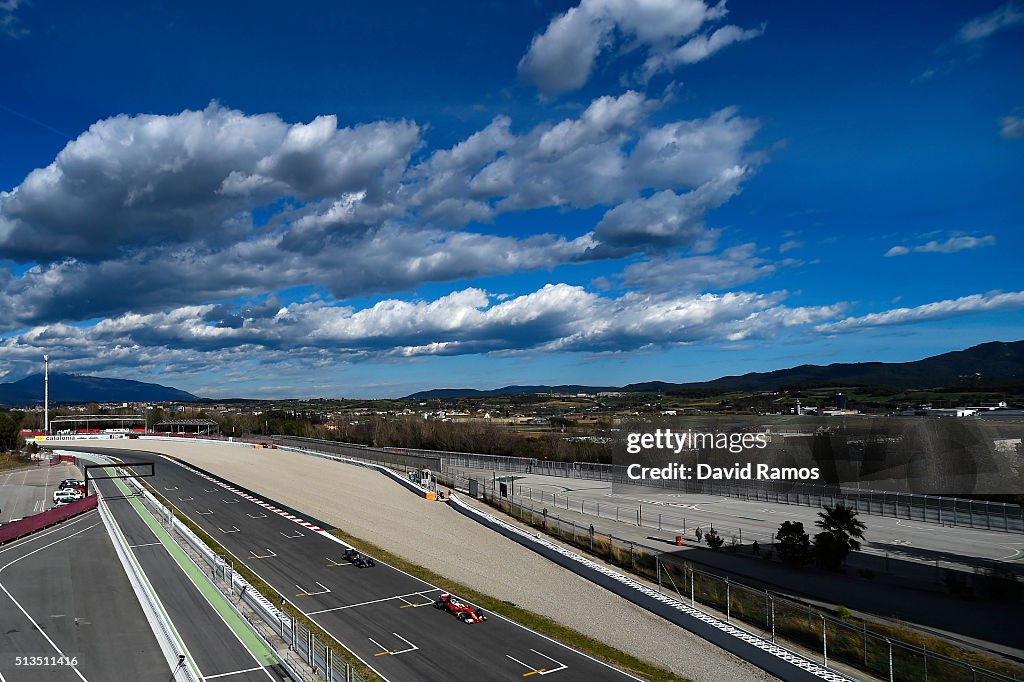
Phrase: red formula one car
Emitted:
{"points": [[461, 610]]}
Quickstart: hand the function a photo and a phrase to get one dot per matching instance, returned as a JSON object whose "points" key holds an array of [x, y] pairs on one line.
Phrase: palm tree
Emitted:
{"points": [[842, 524]]}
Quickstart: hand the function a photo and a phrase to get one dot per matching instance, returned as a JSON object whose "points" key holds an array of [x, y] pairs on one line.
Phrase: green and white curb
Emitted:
{"points": [[245, 635]]}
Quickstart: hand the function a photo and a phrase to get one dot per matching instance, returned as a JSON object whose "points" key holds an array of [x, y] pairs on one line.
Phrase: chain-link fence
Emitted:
{"points": [[972, 577], [950, 511], [961, 574], [774, 617], [395, 458]]}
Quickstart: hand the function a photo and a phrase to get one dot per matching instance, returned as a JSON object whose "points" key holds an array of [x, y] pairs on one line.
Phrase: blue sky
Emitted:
{"points": [[346, 199]]}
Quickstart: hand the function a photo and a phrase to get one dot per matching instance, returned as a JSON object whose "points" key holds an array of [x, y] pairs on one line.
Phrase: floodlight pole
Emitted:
{"points": [[46, 395]]}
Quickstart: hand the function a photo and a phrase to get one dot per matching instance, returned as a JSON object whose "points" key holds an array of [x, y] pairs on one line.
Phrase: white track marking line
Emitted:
{"points": [[411, 605], [528, 667], [236, 672], [22, 609], [192, 580], [561, 666], [388, 652], [261, 516], [1017, 553], [41, 534], [539, 671], [304, 593], [292, 537], [234, 529], [146, 544], [373, 601], [262, 556]]}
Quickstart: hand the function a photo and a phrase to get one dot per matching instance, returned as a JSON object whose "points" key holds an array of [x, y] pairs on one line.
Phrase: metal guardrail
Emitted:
{"points": [[307, 658], [182, 666], [311, 652], [772, 616], [765, 654]]}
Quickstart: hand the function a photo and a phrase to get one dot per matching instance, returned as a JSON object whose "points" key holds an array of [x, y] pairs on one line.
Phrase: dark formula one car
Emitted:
{"points": [[358, 559], [461, 610]]}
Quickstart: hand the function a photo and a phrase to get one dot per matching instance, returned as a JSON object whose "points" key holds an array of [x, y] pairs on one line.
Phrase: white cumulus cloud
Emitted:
{"points": [[938, 310], [562, 58], [160, 208], [554, 318]]}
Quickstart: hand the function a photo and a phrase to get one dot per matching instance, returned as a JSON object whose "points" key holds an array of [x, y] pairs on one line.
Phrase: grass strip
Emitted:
{"points": [[542, 624]]}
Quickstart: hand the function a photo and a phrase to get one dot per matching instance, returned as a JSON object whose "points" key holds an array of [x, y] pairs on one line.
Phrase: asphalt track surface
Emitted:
{"points": [[63, 593], [28, 491], [384, 616], [213, 645], [916, 541]]}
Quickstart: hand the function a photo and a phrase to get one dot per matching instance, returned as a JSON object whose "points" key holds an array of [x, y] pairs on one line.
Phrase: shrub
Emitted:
{"points": [[793, 543]]}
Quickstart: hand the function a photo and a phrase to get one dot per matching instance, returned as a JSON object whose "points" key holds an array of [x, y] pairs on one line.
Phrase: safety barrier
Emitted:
{"points": [[306, 647], [770, 657], [951, 511], [181, 664], [776, 616], [30, 524], [414, 487]]}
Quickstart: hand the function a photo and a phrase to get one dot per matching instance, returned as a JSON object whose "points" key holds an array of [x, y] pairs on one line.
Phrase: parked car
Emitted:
{"points": [[67, 495]]}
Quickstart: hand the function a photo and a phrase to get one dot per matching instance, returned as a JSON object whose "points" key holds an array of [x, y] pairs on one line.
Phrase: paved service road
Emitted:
{"points": [[381, 614], [63, 592], [216, 638], [952, 547]]}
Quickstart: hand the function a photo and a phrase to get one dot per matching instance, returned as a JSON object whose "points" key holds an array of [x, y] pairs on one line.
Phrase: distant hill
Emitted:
{"points": [[71, 388], [997, 361]]}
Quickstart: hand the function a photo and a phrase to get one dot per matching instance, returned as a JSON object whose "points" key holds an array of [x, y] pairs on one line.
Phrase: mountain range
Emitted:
{"points": [[995, 362], [989, 361], [74, 388]]}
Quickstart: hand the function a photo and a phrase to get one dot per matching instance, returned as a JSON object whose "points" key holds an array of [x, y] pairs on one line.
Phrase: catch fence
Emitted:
{"points": [[780, 619], [950, 511]]}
